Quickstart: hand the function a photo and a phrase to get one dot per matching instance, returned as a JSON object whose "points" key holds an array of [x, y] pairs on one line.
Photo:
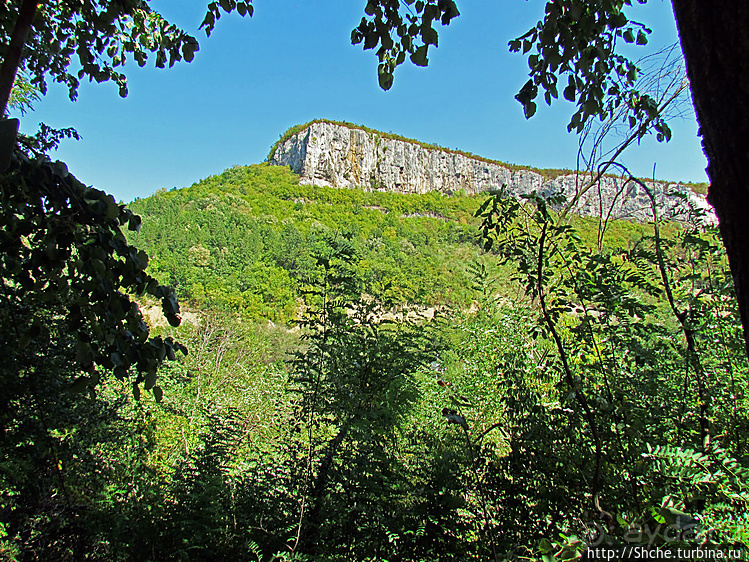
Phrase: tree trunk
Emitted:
{"points": [[317, 496], [14, 51], [715, 43]]}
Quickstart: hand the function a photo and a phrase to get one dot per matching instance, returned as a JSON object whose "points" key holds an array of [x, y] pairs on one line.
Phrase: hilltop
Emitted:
{"points": [[344, 155]]}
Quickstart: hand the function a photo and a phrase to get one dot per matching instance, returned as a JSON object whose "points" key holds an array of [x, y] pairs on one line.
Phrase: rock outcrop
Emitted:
{"points": [[337, 155]]}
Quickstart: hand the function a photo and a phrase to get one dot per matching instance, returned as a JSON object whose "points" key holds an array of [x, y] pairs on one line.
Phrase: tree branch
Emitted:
{"points": [[14, 53]]}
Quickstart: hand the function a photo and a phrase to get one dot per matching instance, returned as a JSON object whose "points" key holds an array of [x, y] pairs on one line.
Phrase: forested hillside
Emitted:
{"points": [[245, 241], [583, 384]]}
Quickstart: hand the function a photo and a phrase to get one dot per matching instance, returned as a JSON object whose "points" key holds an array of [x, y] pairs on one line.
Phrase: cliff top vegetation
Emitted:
{"points": [[546, 173]]}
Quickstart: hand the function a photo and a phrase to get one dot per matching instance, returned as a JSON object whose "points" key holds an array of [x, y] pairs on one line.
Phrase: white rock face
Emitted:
{"points": [[339, 156]]}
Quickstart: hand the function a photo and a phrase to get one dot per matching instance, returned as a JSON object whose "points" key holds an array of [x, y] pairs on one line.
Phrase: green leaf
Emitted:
{"points": [[150, 380], [385, 80], [569, 92], [84, 355], [170, 305], [371, 40], [545, 546], [419, 58], [80, 384], [428, 35], [134, 223], [617, 20], [189, 50], [113, 210], [450, 12]]}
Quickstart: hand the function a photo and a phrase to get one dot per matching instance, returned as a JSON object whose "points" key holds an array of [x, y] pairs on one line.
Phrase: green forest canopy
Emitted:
{"points": [[245, 240]]}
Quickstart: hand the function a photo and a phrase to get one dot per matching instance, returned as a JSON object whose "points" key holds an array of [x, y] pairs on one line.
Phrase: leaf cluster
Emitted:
{"points": [[215, 9], [619, 364], [580, 40], [99, 36], [398, 30], [64, 255]]}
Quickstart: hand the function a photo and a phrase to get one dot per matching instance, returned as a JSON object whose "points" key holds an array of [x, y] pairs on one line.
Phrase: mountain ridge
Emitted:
{"points": [[340, 154]]}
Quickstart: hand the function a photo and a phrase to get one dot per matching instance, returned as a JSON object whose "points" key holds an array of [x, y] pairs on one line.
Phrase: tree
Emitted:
{"points": [[716, 50], [66, 269], [578, 40], [42, 40], [64, 255]]}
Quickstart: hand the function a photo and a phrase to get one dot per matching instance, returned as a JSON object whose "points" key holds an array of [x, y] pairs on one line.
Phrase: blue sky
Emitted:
{"points": [[293, 62]]}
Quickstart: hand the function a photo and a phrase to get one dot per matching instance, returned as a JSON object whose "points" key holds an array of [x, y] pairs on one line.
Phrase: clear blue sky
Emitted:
{"points": [[293, 62]]}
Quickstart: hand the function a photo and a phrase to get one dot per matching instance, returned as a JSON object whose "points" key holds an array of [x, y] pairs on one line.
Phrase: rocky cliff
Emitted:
{"points": [[342, 155]]}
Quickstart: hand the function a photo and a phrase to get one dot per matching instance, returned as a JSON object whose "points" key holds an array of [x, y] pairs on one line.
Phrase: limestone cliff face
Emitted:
{"points": [[340, 156]]}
